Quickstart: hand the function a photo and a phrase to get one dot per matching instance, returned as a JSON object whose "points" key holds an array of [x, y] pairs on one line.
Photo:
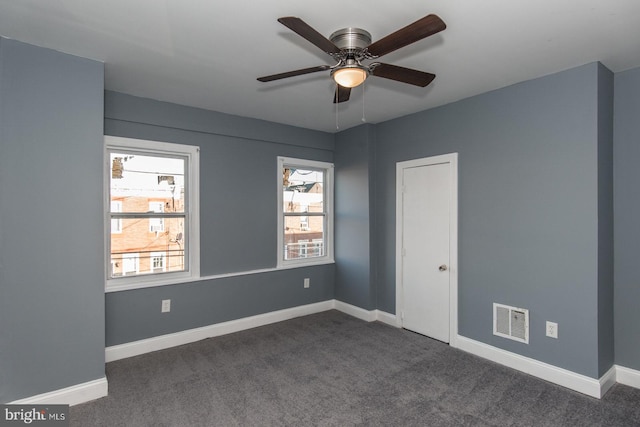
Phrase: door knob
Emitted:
{"points": [[443, 267]]}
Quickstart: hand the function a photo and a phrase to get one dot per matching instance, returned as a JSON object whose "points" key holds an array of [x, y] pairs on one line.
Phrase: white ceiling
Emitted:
{"points": [[208, 53]]}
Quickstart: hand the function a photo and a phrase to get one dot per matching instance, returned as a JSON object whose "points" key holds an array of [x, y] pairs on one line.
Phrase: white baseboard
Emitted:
{"points": [[357, 312], [366, 315], [162, 342], [388, 318], [608, 380], [627, 376], [578, 382], [79, 393]]}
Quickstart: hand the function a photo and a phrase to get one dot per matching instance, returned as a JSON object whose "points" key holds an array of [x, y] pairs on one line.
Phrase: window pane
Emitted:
{"points": [[303, 211], [145, 183], [299, 243], [156, 251], [302, 190]]}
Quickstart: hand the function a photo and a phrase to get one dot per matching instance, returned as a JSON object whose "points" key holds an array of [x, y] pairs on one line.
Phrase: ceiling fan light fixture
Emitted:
{"points": [[350, 76]]}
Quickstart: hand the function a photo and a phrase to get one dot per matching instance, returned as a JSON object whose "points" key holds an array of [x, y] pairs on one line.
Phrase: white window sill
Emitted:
{"points": [[112, 287]]}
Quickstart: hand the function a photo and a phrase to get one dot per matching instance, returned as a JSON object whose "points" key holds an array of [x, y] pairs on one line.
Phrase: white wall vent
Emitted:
{"points": [[511, 322]]}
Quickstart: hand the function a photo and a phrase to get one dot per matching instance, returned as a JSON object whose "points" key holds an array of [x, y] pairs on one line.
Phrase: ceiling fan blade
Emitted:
{"points": [[420, 29], [404, 75], [342, 94], [293, 73], [305, 30]]}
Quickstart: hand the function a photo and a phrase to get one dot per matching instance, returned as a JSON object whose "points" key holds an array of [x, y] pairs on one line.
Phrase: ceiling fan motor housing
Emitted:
{"points": [[351, 39]]}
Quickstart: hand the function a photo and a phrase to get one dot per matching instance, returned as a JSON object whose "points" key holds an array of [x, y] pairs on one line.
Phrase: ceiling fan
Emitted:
{"points": [[351, 46]]}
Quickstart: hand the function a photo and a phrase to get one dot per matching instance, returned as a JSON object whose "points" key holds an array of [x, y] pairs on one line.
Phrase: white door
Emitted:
{"points": [[425, 247]]}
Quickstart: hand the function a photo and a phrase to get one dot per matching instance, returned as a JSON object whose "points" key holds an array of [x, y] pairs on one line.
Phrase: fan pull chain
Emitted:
{"points": [[336, 99], [364, 120]]}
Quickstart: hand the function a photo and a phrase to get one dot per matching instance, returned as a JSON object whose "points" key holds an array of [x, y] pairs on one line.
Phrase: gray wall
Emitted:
{"points": [[354, 200], [237, 216], [627, 218], [606, 344], [528, 198], [51, 221]]}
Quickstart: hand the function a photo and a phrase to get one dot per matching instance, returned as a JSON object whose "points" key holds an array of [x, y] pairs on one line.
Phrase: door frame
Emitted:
{"points": [[452, 160]]}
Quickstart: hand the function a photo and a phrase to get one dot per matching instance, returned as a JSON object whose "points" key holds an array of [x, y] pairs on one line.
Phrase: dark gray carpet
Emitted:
{"points": [[330, 369]]}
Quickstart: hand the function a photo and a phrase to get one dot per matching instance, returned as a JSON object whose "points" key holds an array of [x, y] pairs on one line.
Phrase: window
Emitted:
{"points": [[305, 212], [304, 220], [116, 223], [303, 247], [156, 224], [157, 261], [152, 194], [130, 264], [318, 247]]}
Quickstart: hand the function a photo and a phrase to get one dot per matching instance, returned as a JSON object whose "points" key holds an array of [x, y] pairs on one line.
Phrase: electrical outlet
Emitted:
{"points": [[552, 329], [166, 306], [307, 282]]}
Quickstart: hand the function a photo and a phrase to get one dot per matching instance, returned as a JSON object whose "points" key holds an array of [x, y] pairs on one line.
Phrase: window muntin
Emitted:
{"points": [[305, 212], [152, 193]]}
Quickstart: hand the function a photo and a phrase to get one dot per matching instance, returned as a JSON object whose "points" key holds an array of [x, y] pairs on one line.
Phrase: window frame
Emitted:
{"points": [[191, 154], [328, 202]]}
